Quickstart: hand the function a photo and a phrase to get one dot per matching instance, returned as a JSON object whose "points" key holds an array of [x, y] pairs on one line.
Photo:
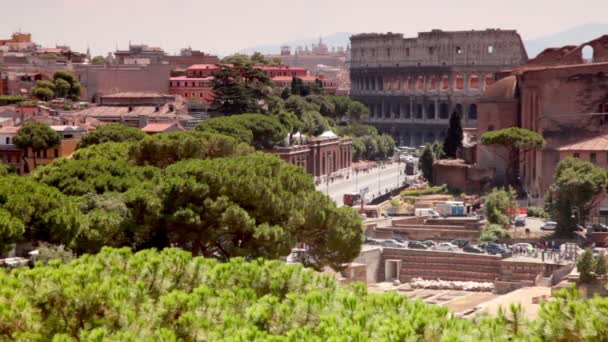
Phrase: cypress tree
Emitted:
{"points": [[453, 139]]}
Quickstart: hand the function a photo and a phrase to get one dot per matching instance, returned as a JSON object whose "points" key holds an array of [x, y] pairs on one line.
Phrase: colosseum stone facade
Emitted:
{"points": [[412, 85]]}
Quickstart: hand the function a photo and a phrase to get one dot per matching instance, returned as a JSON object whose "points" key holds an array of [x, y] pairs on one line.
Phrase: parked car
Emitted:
{"points": [[549, 225], [494, 248], [599, 227], [445, 246], [473, 249], [393, 243], [370, 241], [460, 243], [416, 245], [520, 221], [429, 243]]}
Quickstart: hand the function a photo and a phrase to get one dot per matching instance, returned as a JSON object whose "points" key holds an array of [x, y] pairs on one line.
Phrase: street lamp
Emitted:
{"points": [[577, 211], [328, 173], [379, 169]]}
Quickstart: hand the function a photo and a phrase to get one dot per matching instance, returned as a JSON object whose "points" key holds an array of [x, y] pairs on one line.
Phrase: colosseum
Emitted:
{"points": [[412, 85]]}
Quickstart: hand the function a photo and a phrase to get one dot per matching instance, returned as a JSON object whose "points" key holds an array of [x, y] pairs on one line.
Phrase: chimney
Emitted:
{"points": [[130, 109]]}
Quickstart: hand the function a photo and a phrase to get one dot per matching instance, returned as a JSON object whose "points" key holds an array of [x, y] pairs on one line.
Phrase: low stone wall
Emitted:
{"points": [[507, 274], [441, 265]]}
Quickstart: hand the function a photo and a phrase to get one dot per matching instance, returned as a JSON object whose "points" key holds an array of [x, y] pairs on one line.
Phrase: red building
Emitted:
{"points": [[319, 156], [198, 82]]}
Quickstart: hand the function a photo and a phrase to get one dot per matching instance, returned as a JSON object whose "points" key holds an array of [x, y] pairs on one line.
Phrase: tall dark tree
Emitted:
{"points": [[426, 163], [453, 139], [239, 88]]}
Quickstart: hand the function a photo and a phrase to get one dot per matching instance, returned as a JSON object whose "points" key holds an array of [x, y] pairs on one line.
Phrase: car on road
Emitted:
{"points": [[520, 221], [473, 249], [393, 243], [445, 246], [494, 248], [549, 225], [370, 241], [416, 245], [460, 243], [599, 227], [429, 243]]}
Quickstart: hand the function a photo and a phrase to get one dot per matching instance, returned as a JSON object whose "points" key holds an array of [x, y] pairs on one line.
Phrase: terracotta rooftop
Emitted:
{"points": [[597, 143], [186, 78], [158, 127], [137, 95], [289, 78], [203, 67], [9, 130]]}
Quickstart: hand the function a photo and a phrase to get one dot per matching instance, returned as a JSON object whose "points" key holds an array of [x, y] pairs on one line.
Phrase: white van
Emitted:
{"points": [[426, 212]]}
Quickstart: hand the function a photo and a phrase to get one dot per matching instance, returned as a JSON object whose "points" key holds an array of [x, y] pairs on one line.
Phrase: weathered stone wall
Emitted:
{"points": [[412, 85]]}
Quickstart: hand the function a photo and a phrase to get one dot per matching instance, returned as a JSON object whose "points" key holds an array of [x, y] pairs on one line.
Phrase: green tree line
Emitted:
{"points": [[118, 295], [205, 192]]}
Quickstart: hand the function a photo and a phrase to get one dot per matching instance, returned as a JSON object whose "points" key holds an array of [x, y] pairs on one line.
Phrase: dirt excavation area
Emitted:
{"points": [[470, 303]]}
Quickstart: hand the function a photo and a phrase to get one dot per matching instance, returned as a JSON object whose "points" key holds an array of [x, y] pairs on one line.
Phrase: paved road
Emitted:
{"points": [[377, 179]]}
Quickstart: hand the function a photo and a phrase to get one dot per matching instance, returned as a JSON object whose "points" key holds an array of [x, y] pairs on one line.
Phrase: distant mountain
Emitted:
{"points": [[574, 36], [334, 39]]}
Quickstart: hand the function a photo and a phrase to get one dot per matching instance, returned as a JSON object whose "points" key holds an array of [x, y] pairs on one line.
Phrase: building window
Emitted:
{"points": [[490, 49], [576, 155], [473, 82], [459, 82], [445, 82], [593, 158], [473, 112], [8, 140], [388, 52], [458, 50], [431, 50], [407, 52], [420, 83]]}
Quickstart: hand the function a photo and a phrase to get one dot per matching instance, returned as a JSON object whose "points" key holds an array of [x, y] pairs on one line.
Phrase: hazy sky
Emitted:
{"points": [[225, 26]]}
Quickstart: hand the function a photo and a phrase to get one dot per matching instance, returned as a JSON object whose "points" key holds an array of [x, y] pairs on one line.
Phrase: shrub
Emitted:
{"points": [[434, 190], [537, 212], [493, 232]]}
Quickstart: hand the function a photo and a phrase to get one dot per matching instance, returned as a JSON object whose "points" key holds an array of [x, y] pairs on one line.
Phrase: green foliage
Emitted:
{"points": [[513, 137], [500, 205], [434, 190], [493, 232], [586, 266], [239, 88], [35, 212], [162, 150], [425, 162], [314, 123], [43, 93], [577, 184], [10, 99], [517, 141], [255, 59], [298, 105], [259, 130], [299, 88], [47, 252], [36, 136], [169, 296], [367, 143], [537, 212], [254, 205], [115, 132], [454, 136], [326, 106], [98, 60], [601, 266]]}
